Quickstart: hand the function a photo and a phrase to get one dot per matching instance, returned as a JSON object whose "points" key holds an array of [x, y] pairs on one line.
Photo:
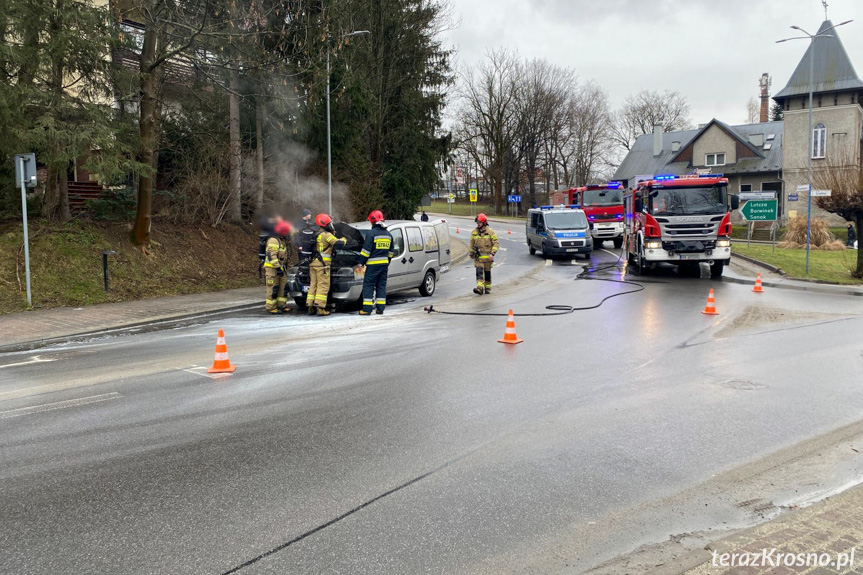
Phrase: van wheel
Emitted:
{"points": [[597, 242], [542, 251], [530, 248], [618, 243], [301, 303], [428, 286]]}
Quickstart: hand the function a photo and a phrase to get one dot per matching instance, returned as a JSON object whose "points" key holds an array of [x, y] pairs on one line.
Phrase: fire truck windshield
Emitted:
{"points": [[594, 198], [688, 201], [565, 220]]}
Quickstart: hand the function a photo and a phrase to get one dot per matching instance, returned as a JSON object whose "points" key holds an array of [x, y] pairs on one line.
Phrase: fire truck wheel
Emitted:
{"points": [[597, 242], [716, 269], [618, 242], [640, 263]]}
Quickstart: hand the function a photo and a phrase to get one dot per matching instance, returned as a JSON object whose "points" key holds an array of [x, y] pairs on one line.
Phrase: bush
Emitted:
{"points": [[113, 205], [820, 233]]}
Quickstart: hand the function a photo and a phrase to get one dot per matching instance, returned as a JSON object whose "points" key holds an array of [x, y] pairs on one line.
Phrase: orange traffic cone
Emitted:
{"points": [[222, 364], [456, 229], [508, 232], [710, 309], [758, 287], [509, 335]]}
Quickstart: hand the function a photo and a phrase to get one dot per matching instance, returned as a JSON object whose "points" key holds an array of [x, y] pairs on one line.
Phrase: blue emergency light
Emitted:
{"points": [[614, 185]]}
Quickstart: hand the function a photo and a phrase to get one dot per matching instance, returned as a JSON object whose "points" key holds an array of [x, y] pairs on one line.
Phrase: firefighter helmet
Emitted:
{"points": [[376, 217], [323, 220], [282, 228], [481, 219]]}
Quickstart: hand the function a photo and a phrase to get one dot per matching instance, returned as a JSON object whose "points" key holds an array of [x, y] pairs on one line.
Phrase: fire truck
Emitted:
{"points": [[603, 205], [679, 220]]}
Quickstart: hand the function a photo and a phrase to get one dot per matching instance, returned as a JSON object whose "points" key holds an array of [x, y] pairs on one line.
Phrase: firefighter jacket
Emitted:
{"points": [[377, 249], [324, 244], [277, 253], [483, 243]]}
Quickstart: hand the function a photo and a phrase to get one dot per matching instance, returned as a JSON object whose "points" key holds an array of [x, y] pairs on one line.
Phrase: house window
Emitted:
{"points": [[745, 187], [714, 159], [819, 141]]}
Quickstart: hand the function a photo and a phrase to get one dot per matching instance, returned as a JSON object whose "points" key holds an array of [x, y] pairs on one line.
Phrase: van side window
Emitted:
{"points": [[534, 220], [430, 238], [398, 242], [540, 223], [415, 239]]}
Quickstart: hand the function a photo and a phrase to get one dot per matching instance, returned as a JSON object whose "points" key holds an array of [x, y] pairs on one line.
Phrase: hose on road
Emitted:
{"points": [[558, 309]]}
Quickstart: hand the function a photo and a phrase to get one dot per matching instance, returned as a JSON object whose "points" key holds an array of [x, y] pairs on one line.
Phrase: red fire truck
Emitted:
{"points": [[603, 205], [679, 220]]}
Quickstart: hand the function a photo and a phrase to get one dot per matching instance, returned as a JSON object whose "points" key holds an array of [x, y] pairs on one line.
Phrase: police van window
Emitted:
{"points": [[430, 238], [398, 242], [534, 220], [415, 239]]}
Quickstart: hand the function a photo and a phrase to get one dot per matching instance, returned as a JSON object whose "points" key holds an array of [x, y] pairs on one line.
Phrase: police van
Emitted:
{"points": [[558, 231]]}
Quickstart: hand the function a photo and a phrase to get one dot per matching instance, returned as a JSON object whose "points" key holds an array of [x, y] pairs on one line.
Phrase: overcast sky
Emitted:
{"points": [[712, 51]]}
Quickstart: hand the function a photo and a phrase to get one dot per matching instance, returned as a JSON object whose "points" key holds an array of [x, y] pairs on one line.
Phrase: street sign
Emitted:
{"points": [[792, 197], [25, 170], [513, 199], [473, 194], [759, 210], [803, 188], [821, 193], [757, 195]]}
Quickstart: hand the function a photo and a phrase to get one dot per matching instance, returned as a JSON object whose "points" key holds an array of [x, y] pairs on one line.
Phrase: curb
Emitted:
{"points": [[837, 289], [764, 265]]}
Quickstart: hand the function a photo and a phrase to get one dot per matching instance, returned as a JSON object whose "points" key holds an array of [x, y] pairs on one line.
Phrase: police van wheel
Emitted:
{"points": [[428, 286], [301, 303]]}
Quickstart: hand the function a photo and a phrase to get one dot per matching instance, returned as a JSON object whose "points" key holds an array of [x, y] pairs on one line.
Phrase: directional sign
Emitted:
{"points": [[822, 193], [473, 195], [803, 188], [759, 210], [513, 199], [757, 195], [792, 197]]}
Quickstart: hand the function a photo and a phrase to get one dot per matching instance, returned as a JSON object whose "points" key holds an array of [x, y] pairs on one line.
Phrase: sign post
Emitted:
{"points": [[25, 175]]}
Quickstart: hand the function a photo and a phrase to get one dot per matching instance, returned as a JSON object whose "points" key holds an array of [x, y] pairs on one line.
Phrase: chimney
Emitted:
{"points": [[765, 83], [657, 140]]}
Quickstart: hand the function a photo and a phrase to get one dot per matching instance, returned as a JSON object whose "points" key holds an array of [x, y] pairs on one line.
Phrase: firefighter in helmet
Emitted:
{"points": [[483, 246], [275, 263], [319, 269], [375, 256]]}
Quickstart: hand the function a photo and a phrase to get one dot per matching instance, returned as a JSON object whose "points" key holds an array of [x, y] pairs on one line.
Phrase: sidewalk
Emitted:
{"points": [[41, 326], [832, 526]]}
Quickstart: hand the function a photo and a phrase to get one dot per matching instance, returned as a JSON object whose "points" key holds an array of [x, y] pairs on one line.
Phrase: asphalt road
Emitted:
{"points": [[416, 443]]}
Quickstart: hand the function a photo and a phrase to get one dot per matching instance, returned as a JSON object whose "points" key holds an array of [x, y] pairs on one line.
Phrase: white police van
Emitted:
{"points": [[559, 231]]}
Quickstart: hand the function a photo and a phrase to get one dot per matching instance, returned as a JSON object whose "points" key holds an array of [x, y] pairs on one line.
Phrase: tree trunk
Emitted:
{"points": [[52, 193], [63, 189], [236, 178], [259, 150], [531, 178], [147, 130]]}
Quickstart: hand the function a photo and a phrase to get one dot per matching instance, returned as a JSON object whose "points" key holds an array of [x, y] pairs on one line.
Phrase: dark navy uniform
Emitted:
{"points": [[376, 255]]}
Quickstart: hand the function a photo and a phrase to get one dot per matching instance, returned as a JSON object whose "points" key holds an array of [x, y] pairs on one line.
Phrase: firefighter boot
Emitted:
{"points": [[322, 311], [364, 312], [312, 310], [478, 290]]}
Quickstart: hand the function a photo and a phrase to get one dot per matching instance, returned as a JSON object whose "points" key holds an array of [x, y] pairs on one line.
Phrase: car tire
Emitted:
{"points": [[429, 283], [618, 243], [542, 251], [716, 269], [597, 243], [531, 249], [301, 304]]}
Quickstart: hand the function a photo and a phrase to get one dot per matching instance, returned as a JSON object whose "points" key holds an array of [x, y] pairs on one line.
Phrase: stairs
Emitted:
{"points": [[81, 192]]}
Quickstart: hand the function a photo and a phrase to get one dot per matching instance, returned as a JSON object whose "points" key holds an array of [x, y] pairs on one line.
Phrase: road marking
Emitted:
{"points": [[34, 359], [59, 405], [609, 253]]}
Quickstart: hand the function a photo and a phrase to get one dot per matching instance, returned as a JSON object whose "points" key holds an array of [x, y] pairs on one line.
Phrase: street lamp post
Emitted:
{"points": [[329, 132], [811, 38]]}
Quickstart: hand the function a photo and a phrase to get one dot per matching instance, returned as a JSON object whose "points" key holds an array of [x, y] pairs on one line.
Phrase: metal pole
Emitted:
{"points": [[809, 152], [105, 269], [329, 143], [26, 236]]}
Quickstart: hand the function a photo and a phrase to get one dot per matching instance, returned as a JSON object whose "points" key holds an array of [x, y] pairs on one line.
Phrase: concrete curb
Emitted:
{"points": [[814, 286], [759, 263]]}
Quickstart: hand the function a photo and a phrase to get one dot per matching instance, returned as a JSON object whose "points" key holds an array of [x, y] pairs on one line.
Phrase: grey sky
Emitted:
{"points": [[712, 51]]}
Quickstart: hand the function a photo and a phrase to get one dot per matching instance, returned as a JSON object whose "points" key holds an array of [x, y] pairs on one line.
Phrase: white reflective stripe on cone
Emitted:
{"points": [[221, 357]]}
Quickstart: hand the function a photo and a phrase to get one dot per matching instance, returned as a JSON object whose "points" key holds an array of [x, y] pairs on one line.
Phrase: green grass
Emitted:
{"points": [[834, 267], [465, 209], [738, 232]]}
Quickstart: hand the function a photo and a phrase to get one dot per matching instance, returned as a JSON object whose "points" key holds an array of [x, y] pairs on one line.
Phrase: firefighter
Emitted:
{"points": [[306, 236], [483, 246], [319, 269], [376, 256], [274, 267]]}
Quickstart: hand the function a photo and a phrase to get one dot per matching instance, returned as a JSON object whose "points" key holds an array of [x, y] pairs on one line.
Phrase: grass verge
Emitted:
{"points": [[834, 267]]}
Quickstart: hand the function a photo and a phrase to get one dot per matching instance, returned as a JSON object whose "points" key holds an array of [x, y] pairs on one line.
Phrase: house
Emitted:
{"points": [[770, 156]]}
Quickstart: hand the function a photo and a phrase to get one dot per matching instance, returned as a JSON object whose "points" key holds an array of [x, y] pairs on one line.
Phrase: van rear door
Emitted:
{"points": [[444, 257]]}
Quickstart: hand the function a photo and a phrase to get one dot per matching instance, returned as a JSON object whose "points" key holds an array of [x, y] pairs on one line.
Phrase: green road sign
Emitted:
{"points": [[759, 210]]}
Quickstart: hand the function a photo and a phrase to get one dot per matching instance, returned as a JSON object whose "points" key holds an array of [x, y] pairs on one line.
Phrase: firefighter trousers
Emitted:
{"points": [[375, 288], [275, 298], [320, 285], [483, 275]]}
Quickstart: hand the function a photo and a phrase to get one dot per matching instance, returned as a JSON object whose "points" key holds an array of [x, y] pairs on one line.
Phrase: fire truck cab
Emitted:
{"points": [[679, 220], [603, 205]]}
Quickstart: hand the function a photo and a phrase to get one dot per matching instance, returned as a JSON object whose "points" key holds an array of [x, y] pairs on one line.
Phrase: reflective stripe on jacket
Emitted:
{"points": [[325, 244], [277, 253], [483, 243]]}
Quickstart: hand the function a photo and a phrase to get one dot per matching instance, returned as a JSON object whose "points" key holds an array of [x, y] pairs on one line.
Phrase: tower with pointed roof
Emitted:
{"points": [[837, 115]]}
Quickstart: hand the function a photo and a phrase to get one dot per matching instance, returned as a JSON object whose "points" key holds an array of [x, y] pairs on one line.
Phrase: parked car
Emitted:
{"points": [[421, 253]]}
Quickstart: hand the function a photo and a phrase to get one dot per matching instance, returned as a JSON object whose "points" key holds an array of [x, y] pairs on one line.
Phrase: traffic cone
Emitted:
{"points": [[456, 229], [508, 232], [221, 364], [509, 335], [710, 309], [758, 287]]}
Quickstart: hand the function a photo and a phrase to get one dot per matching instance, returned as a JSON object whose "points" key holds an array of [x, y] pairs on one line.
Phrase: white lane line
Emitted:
{"points": [[609, 253], [59, 405], [34, 359]]}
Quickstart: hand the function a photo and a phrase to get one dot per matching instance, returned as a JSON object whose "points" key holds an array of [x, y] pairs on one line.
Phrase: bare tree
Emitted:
{"points": [[591, 121], [487, 126], [753, 111], [645, 109], [846, 199]]}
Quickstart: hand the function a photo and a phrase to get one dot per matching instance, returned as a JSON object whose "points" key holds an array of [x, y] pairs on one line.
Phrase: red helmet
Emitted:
{"points": [[323, 220], [481, 219], [376, 217], [282, 228]]}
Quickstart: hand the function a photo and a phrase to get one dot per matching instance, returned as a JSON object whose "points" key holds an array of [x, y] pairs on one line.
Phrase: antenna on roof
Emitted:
{"points": [[824, 2]]}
